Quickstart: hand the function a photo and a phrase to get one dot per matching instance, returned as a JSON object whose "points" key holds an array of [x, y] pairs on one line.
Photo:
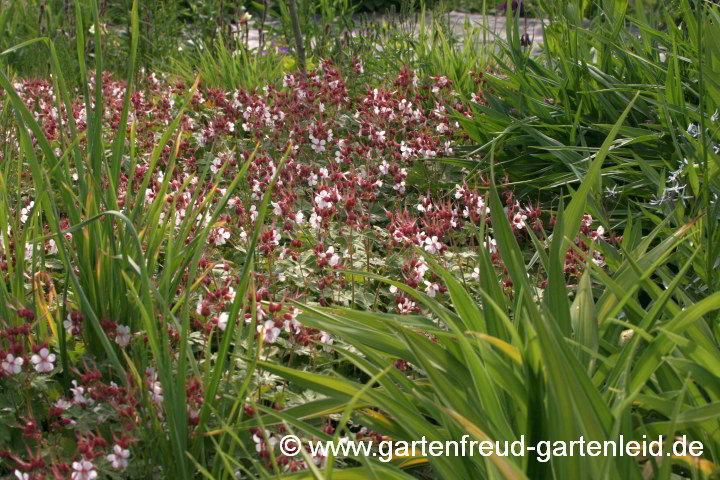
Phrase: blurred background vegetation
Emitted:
{"points": [[180, 36]]}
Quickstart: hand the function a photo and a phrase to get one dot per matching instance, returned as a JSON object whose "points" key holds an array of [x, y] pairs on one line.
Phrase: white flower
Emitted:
{"points": [[83, 470], [519, 221], [597, 234], [459, 191], [384, 167], [406, 307], [21, 476], [299, 218], [312, 180], [323, 199], [334, 257], [317, 145], [476, 273], [79, 395], [431, 288], [122, 336], [119, 458], [70, 327], [149, 196], [277, 208], [261, 315], [432, 245], [12, 365], [442, 128], [587, 220], [491, 245], [393, 289], [315, 221], [223, 321], [260, 442], [25, 212], [327, 340], [480, 206], [52, 247], [253, 213], [62, 404], [421, 269], [220, 236], [43, 361], [199, 306], [275, 237], [269, 330], [156, 392], [291, 324]]}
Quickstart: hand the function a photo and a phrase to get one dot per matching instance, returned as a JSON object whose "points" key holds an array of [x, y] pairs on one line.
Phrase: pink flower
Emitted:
{"points": [[43, 361], [119, 458], [431, 289], [12, 365], [83, 470], [432, 245], [270, 331]]}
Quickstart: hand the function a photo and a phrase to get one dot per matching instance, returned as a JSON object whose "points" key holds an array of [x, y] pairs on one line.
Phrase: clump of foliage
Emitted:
{"points": [[527, 246]]}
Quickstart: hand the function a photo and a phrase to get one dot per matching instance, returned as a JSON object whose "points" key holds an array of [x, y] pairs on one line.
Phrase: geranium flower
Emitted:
{"points": [[79, 393], [270, 331], [324, 199], [597, 235], [43, 361], [119, 458], [83, 470], [334, 258], [519, 221], [222, 321], [432, 245], [431, 288], [491, 245], [326, 339], [12, 364], [260, 442], [25, 212], [219, 236]]}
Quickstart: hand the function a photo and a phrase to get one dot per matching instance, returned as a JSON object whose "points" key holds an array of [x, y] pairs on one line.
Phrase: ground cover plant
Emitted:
{"points": [[429, 239]]}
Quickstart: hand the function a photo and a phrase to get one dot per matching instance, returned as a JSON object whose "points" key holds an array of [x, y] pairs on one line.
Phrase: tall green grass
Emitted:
{"points": [[122, 263], [219, 66], [536, 365]]}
